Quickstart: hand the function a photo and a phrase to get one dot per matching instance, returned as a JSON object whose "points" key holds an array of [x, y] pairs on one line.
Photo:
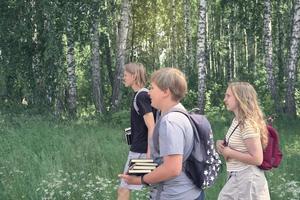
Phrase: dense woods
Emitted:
{"points": [[65, 57]]}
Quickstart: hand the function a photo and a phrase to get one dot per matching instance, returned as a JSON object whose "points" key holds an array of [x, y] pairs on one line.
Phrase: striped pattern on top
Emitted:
{"points": [[236, 142]]}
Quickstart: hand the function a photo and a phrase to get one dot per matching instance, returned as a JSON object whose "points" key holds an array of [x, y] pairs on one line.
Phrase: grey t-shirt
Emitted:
{"points": [[173, 135]]}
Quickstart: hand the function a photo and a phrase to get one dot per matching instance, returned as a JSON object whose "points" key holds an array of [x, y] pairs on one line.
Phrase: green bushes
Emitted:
{"points": [[44, 158]]}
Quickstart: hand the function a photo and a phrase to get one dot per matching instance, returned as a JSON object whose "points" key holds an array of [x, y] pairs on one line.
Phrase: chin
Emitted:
{"points": [[154, 106]]}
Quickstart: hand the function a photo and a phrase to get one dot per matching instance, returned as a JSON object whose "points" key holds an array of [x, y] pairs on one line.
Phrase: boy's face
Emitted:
{"points": [[156, 95], [128, 79]]}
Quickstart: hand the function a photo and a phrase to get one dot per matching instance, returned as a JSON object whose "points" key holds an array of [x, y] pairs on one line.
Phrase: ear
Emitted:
{"points": [[167, 93]]}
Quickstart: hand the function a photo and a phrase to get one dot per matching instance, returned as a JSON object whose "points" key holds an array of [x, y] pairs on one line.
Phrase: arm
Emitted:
{"points": [[220, 147], [149, 121], [171, 167], [254, 156]]}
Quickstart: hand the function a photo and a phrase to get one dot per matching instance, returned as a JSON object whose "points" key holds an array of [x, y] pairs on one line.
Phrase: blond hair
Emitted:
{"points": [[249, 109], [172, 79], [137, 70]]}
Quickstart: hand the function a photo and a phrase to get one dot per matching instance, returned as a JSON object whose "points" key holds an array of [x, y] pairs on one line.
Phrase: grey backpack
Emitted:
{"points": [[203, 165]]}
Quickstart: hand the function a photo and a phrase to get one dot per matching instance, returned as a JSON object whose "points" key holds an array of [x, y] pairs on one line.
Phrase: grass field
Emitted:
{"points": [[46, 158]]}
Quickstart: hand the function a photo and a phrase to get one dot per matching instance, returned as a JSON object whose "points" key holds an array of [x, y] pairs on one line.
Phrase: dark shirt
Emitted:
{"points": [[139, 129]]}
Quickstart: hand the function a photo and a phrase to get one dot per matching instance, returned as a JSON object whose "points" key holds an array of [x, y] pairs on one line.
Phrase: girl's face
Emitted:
{"points": [[230, 101], [156, 95], [128, 79]]}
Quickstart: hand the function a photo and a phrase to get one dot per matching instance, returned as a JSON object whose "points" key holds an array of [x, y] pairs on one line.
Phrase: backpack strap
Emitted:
{"points": [[136, 108], [156, 133], [195, 135], [227, 142]]}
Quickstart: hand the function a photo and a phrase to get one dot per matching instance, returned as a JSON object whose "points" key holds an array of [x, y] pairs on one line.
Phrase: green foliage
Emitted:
{"points": [[190, 100], [33, 56], [120, 119], [41, 157]]}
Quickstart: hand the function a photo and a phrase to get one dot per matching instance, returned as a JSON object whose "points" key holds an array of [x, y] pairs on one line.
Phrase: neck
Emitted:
{"points": [[168, 106], [136, 87]]}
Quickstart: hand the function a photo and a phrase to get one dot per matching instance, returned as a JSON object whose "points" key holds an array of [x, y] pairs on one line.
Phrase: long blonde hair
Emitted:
{"points": [[138, 70], [249, 109]]}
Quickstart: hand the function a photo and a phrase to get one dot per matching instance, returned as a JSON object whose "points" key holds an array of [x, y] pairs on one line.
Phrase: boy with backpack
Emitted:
{"points": [[172, 141]]}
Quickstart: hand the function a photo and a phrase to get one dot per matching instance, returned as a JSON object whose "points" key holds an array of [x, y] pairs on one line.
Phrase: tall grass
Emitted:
{"points": [[44, 158]]}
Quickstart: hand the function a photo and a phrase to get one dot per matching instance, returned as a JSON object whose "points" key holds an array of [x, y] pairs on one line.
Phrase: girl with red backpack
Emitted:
{"points": [[243, 145]]}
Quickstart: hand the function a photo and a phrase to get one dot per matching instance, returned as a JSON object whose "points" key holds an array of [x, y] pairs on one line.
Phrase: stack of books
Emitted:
{"points": [[139, 167]]}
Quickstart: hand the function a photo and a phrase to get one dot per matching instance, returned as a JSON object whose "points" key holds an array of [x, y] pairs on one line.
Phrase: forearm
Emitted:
{"points": [[150, 133], [244, 157], [162, 173], [171, 167]]}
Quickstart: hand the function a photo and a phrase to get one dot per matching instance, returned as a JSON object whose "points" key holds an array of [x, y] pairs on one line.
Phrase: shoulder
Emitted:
{"points": [[176, 121], [142, 95], [249, 130], [176, 117]]}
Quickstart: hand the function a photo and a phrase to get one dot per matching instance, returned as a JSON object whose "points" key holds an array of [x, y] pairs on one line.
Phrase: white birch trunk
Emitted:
{"points": [[173, 35], [292, 62], [269, 52], [95, 64], [121, 47], [201, 59], [188, 45], [72, 90]]}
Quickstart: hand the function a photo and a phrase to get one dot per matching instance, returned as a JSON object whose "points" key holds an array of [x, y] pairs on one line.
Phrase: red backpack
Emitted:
{"points": [[272, 153]]}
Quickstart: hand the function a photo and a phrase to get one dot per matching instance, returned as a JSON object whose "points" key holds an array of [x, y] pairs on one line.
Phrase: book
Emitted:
{"points": [[146, 164], [138, 172], [140, 167], [142, 160]]}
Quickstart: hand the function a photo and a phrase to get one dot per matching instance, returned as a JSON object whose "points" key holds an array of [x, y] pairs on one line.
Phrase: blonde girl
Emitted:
{"points": [[243, 145]]}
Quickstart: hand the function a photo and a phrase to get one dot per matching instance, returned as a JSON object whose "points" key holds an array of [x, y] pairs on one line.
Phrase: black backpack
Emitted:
{"points": [[203, 164]]}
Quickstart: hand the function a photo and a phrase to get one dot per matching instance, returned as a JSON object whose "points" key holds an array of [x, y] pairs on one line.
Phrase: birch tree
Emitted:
{"points": [[95, 63], [201, 60], [269, 52], [72, 90], [173, 35], [188, 46], [292, 62], [121, 47]]}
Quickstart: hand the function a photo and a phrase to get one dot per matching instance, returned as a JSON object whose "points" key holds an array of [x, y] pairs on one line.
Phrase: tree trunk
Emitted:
{"points": [[121, 47], [173, 35], [188, 64], [201, 60], [269, 52], [72, 91], [292, 62], [95, 63], [107, 47], [108, 59]]}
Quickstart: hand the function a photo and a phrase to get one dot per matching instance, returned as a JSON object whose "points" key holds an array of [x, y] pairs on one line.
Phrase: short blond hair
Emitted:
{"points": [[138, 70], [172, 79]]}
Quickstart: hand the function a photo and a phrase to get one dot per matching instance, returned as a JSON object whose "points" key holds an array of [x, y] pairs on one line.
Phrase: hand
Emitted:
{"points": [[148, 156], [222, 149], [225, 152], [132, 180], [220, 146]]}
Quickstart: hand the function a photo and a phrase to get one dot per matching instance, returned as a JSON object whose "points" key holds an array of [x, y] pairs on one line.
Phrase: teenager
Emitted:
{"points": [[142, 122], [243, 145], [172, 140]]}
